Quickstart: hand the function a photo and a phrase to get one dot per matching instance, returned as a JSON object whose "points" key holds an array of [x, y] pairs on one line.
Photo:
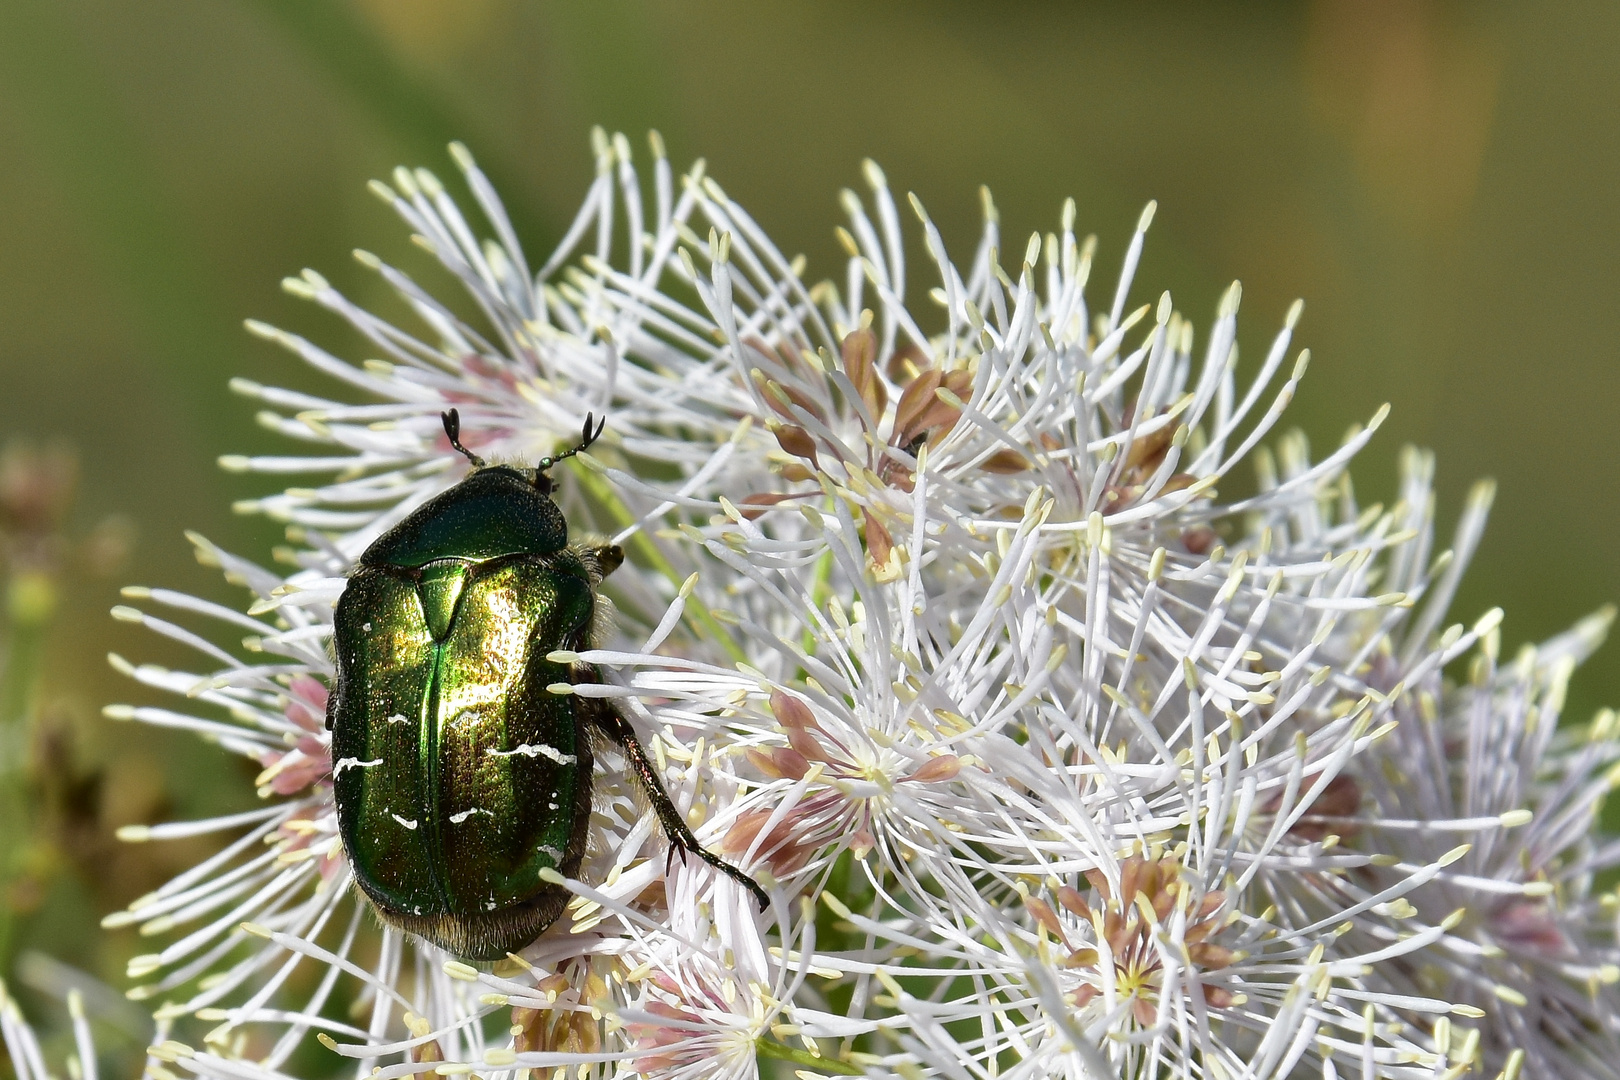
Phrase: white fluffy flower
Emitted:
{"points": [[1530, 933], [942, 631]]}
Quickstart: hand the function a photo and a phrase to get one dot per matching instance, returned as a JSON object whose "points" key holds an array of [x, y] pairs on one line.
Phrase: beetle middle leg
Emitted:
{"points": [[610, 723]]}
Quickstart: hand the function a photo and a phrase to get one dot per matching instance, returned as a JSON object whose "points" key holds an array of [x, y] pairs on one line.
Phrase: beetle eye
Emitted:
{"points": [[542, 482]]}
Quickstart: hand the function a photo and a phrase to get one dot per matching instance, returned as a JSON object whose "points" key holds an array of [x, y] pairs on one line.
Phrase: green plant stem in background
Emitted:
{"points": [[767, 1049], [603, 496], [30, 602], [347, 51]]}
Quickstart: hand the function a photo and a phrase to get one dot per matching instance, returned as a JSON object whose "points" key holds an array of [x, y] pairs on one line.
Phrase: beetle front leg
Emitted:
{"points": [[617, 728]]}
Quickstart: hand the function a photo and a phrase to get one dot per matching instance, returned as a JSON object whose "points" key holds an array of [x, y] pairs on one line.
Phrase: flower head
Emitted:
{"points": [[1480, 768], [934, 621]]}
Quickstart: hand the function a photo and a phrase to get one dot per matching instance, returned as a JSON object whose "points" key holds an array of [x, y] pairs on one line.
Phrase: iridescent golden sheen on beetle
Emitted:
{"points": [[458, 777]]}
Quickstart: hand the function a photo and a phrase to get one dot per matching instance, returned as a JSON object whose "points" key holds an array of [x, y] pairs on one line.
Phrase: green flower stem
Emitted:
{"points": [[647, 553], [766, 1048], [30, 602], [820, 590]]}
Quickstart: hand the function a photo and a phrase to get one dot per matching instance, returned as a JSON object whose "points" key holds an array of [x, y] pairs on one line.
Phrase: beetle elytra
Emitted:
{"points": [[458, 776]]}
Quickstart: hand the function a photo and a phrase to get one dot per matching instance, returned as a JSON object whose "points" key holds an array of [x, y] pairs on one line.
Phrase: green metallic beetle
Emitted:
{"points": [[458, 776]]}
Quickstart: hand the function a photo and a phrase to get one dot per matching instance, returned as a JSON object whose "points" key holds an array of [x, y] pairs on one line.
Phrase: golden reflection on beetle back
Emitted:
{"points": [[470, 775], [515, 777]]}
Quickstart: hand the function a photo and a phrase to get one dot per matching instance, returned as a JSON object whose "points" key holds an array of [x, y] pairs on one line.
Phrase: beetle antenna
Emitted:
{"points": [[587, 435], [452, 428]]}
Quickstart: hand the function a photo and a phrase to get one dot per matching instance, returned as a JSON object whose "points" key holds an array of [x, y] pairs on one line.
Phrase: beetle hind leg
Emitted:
{"points": [[610, 723]]}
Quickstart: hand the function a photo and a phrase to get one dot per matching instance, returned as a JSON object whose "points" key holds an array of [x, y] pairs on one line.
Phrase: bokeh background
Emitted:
{"points": [[1440, 182]]}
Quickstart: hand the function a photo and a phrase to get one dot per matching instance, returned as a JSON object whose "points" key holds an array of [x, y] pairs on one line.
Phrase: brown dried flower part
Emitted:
{"points": [[906, 363], [1199, 539], [927, 407], [753, 507], [859, 353], [780, 394], [1005, 462], [36, 488], [1119, 931], [1340, 799], [881, 556], [429, 1051], [1133, 476], [796, 441], [1530, 928], [569, 1025], [921, 413]]}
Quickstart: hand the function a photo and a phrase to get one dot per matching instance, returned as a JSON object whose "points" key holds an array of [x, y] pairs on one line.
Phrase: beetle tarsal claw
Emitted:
{"points": [[736, 875], [692, 847]]}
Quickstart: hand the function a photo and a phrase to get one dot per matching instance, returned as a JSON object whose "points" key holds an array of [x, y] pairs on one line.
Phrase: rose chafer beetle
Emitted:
{"points": [[458, 776]]}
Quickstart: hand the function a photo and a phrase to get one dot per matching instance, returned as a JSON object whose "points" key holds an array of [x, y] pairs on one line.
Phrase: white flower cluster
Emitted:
{"points": [[1054, 761]]}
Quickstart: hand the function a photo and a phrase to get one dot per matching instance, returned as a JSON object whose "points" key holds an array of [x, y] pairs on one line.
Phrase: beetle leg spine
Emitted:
{"points": [[680, 835]]}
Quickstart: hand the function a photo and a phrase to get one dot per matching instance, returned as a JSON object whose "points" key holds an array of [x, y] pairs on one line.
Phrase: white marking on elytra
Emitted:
{"points": [[547, 849], [409, 823], [352, 763], [542, 750], [398, 718], [457, 819]]}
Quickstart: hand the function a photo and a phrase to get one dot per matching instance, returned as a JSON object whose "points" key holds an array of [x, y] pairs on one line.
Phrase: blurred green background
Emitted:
{"points": [[1439, 181]]}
